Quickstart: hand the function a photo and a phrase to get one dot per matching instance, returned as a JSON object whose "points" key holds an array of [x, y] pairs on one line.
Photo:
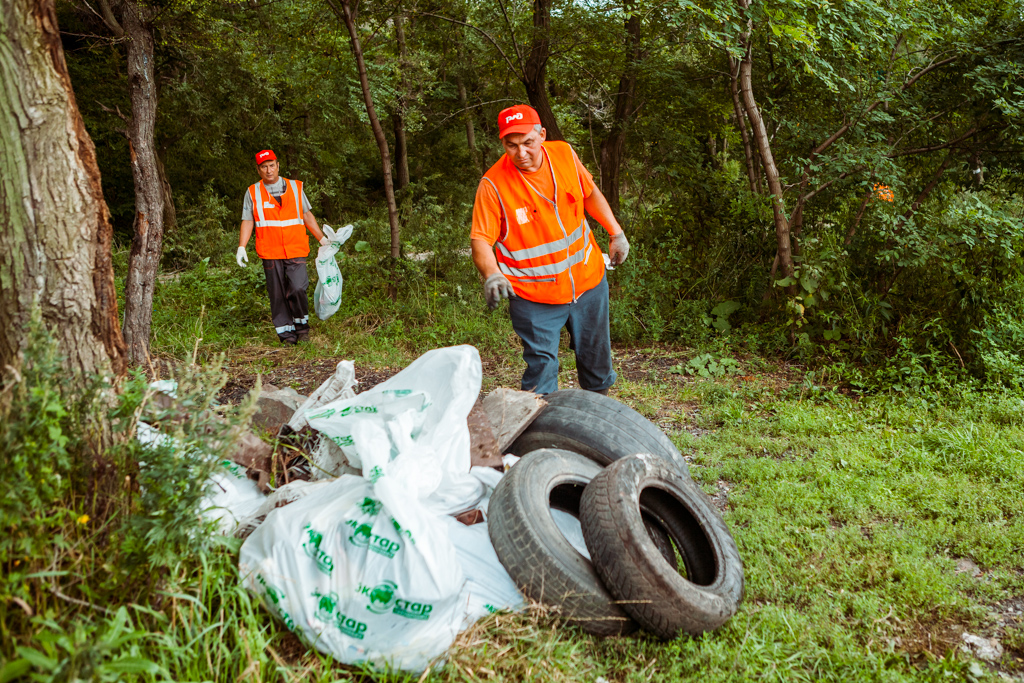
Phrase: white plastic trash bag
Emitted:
{"points": [[361, 570], [230, 495], [432, 397], [327, 294]]}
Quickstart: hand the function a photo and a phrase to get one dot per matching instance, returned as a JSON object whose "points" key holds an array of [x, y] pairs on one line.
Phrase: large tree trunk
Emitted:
{"points": [[614, 144], [535, 68], [771, 173], [346, 13], [55, 230], [147, 241]]}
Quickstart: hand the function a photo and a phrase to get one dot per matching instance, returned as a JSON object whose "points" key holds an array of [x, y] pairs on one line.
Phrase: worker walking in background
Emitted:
{"points": [[532, 244], [281, 214]]}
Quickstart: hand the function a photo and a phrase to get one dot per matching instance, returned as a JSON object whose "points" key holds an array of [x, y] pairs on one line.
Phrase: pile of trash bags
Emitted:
{"points": [[373, 560]]}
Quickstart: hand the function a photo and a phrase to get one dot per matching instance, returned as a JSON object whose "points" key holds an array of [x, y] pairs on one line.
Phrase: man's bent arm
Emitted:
{"points": [[245, 233], [597, 206], [483, 257], [314, 229]]}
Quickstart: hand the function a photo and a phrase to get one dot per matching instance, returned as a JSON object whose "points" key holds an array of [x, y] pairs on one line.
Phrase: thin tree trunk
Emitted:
{"points": [[614, 144], [170, 213], [398, 117], [859, 217], [535, 69], [401, 152], [346, 14], [771, 173], [470, 131], [55, 230], [147, 241], [741, 124]]}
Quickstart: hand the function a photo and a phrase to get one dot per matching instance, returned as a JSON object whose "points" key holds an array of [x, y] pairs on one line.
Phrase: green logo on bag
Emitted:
{"points": [[327, 604], [382, 596], [233, 468], [275, 596], [375, 474], [356, 410], [402, 532], [362, 536], [396, 392], [413, 610], [321, 415], [369, 506], [312, 547], [382, 600], [343, 441]]}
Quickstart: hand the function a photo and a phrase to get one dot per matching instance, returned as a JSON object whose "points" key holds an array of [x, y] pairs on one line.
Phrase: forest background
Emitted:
{"points": [[825, 205]]}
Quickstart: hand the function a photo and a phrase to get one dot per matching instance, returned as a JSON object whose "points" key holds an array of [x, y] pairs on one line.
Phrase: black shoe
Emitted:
{"points": [[302, 335], [290, 340]]}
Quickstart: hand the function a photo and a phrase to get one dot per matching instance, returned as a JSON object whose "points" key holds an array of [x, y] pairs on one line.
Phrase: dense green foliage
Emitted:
{"points": [[915, 272]]}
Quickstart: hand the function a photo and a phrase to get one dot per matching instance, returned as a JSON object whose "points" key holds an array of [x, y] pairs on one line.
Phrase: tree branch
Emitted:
{"points": [[107, 14], [511, 66]]}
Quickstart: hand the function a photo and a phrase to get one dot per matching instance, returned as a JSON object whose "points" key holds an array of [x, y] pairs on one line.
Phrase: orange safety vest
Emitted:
{"points": [[280, 231], [545, 249]]}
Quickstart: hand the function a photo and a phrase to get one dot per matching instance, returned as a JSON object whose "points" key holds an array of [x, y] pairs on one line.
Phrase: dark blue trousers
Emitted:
{"points": [[540, 328]]}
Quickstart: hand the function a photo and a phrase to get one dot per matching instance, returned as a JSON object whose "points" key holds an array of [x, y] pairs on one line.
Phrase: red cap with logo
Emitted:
{"points": [[265, 155], [518, 119]]}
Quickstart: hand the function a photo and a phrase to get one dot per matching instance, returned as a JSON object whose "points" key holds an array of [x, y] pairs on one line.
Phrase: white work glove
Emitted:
{"points": [[241, 258], [618, 249], [496, 288], [324, 241]]}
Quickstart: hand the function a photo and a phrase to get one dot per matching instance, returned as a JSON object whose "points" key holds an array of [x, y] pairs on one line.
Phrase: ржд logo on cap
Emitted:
{"points": [[509, 119]]}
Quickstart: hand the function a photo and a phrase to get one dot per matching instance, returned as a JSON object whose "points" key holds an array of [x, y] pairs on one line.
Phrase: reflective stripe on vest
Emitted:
{"points": [[545, 261], [281, 231]]}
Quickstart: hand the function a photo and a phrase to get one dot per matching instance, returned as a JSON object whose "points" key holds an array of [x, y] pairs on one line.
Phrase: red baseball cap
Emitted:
{"points": [[518, 119], [265, 155]]}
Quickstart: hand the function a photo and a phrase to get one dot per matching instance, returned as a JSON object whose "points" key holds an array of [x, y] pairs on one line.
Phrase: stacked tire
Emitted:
{"points": [[654, 553]]}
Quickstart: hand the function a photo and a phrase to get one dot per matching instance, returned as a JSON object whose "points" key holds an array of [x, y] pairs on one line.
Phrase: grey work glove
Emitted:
{"points": [[496, 288], [618, 249], [241, 258]]}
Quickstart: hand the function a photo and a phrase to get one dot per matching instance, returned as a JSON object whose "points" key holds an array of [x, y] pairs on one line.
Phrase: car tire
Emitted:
{"points": [[650, 589], [597, 427], [538, 557]]}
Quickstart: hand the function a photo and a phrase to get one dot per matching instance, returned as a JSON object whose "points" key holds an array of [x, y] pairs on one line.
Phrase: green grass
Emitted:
{"points": [[850, 514]]}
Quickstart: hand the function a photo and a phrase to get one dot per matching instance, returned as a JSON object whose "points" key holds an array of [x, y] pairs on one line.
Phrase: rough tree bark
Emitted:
{"points": [[771, 173], [147, 238], [344, 11], [55, 230], [741, 124], [614, 144], [535, 68]]}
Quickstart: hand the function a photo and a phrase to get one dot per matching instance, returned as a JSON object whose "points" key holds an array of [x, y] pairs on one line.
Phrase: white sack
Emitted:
{"points": [[230, 495], [361, 570], [363, 567], [432, 397], [327, 294]]}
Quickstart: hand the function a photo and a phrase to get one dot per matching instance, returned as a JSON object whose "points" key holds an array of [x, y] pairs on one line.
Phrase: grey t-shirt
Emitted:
{"points": [[275, 190]]}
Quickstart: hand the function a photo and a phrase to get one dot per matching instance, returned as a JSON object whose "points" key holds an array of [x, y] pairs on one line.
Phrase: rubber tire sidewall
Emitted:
{"points": [[537, 556], [633, 570]]}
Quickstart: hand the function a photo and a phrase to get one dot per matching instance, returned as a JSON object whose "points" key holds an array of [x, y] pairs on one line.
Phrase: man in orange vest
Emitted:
{"points": [[281, 214], [532, 244]]}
